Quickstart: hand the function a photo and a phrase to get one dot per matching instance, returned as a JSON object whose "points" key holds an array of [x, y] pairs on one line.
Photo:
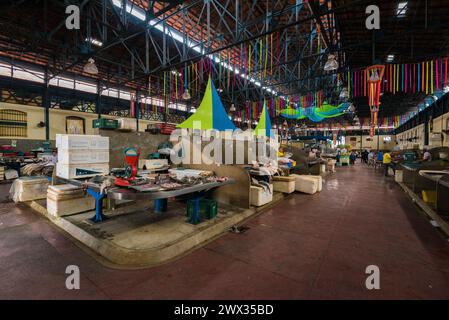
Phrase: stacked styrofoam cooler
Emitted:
{"points": [[2, 173], [29, 189], [261, 196], [66, 199], [82, 156], [308, 183]]}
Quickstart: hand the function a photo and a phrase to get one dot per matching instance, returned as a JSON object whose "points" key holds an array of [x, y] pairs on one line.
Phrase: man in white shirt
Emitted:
{"points": [[371, 158], [51, 160]]}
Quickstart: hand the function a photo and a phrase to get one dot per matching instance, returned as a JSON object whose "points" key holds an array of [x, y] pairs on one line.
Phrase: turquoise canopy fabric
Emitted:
{"points": [[316, 114]]}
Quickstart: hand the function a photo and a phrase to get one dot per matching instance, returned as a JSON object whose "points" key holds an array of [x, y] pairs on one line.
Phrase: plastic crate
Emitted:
{"points": [[105, 123], [208, 208], [166, 128], [429, 196]]}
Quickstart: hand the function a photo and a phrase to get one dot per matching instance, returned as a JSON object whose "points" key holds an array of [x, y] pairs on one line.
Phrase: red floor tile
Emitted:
{"points": [[306, 247]]}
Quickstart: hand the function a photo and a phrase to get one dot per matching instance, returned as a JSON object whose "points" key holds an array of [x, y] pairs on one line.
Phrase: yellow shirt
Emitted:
{"points": [[387, 158]]}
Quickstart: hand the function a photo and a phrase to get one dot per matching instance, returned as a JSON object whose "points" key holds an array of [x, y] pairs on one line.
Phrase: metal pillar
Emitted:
{"points": [[160, 205], [137, 109], [98, 100], [46, 105]]}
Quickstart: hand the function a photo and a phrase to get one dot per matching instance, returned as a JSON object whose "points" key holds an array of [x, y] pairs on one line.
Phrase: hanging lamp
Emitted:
{"points": [[344, 93], [90, 67], [186, 94], [331, 64]]}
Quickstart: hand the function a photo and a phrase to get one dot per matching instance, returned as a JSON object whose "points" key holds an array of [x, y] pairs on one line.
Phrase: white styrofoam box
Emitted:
{"points": [[11, 174], [322, 168], [59, 208], [83, 142], [398, 176], [86, 170], [187, 173], [64, 192], [153, 163], [68, 156], [127, 124], [284, 184], [319, 179], [261, 196], [64, 188], [29, 189], [305, 185]]}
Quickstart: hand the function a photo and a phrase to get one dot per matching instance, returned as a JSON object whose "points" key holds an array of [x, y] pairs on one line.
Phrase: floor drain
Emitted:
{"points": [[238, 230]]}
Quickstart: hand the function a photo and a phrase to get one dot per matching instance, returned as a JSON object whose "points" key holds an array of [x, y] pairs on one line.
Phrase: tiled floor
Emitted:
{"points": [[307, 247]]}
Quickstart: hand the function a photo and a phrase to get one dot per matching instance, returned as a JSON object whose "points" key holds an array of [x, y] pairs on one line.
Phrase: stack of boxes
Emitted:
{"points": [[2, 173], [82, 156]]}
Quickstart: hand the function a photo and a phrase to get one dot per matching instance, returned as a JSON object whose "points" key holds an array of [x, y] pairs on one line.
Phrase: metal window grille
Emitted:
{"points": [[13, 123]]}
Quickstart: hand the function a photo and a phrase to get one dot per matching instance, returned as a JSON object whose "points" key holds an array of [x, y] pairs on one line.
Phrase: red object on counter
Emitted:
{"points": [[166, 128]]}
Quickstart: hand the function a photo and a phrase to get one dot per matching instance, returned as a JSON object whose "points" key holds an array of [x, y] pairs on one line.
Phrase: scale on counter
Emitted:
{"points": [[128, 175]]}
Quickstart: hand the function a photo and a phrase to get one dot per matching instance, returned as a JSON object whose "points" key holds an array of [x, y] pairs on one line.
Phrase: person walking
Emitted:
{"points": [[388, 163]]}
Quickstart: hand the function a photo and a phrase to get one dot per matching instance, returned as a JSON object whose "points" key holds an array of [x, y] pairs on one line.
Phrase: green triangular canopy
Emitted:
{"points": [[211, 113], [263, 128]]}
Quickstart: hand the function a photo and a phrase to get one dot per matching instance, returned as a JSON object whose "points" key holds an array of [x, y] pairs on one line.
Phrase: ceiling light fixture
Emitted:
{"points": [[344, 93], [232, 109], [186, 94], [96, 42], [90, 67], [390, 58], [401, 10]]}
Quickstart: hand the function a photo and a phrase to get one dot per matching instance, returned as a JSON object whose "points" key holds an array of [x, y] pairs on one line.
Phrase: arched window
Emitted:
{"points": [[13, 123]]}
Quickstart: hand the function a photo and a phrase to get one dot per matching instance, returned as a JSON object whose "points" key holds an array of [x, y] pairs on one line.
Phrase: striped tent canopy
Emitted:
{"points": [[263, 128], [211, 113]]}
